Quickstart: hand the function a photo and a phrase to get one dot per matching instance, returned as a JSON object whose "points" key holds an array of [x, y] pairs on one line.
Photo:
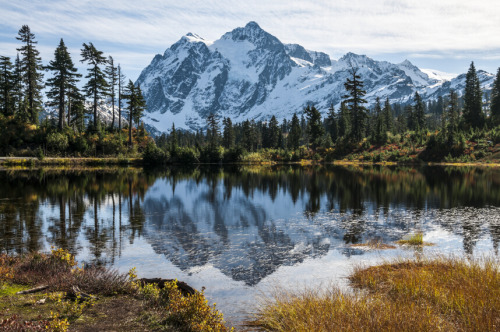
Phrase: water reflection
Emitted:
{"points": [[246, 222]]}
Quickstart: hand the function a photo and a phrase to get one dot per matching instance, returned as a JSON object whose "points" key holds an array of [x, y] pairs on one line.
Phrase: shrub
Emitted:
{"points": [[153, 155], [57, 142]]}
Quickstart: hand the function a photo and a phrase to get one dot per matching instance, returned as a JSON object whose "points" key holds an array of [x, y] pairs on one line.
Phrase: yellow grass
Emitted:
{"points": [[441, 294]]}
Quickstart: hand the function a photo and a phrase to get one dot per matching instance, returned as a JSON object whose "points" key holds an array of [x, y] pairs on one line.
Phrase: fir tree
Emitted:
{"points": [[228, 133], [419, 112], [495, 100], [331, 124], [17, 89], [31, 67], [355, 101], [213, 131], [96, 86], [315, 128], [121, 83], [344, 120], [274, 133], [136, 106], [6, 86], [452, 113], [380, 131], [173, 141], [472, 111], [295, 133], [388, 117], [63, 82], [112, 75]]}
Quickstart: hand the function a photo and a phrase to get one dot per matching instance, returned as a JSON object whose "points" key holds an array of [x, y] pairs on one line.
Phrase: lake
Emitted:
{"points": [[241, 231]]}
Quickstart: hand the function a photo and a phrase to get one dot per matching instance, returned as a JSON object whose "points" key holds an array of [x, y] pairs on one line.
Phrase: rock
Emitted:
{"points": [[184, 288]]}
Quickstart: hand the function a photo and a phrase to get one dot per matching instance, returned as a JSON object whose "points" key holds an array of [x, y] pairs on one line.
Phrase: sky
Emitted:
{"points": [[445, 35]]}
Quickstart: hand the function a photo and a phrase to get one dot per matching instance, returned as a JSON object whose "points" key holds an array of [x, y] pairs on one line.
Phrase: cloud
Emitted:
{"points": [[362, 26]]}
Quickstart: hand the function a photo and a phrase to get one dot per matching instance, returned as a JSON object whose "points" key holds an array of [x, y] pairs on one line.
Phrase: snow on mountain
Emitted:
{"points": [[250, 74], [439, 75]]}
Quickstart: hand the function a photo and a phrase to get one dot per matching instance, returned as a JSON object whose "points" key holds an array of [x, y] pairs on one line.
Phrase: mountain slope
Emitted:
{"points": [[250, 74]]}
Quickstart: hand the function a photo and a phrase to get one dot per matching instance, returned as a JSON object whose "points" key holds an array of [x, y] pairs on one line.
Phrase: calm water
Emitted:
{"points": [[241, 231]]}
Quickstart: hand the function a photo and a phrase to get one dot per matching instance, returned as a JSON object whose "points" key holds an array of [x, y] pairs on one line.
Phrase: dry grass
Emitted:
{"points": [[430, 295], [374, 244]]}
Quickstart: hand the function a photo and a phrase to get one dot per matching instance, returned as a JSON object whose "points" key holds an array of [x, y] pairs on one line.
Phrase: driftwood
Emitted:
{"points": [[76, 293], [183, 287], [33, 290]]}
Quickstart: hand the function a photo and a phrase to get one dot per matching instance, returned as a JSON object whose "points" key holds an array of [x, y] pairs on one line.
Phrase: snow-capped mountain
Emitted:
{"points": [[250, 74]]}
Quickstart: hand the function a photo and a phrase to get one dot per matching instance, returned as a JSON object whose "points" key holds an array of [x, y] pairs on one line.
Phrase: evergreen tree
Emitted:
{"points": [[174, 144], [63, 82], [452, 114], [380, 131], [355, 101], [344, 120], [17, 89], [315, 128], [213, 131], [331, 124], [31, 67], [472, 111], [495, 100], [274, 133], [112, 75], [136, 106], [419, 113], [96, 86], [228, 133], [248, 138], [295, 133], [6, 86], [388, 117], [121, 83]]}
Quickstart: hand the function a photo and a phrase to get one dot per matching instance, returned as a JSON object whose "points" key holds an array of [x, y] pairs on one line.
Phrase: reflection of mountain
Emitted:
{"points": [[232, 234], [246, 222]]}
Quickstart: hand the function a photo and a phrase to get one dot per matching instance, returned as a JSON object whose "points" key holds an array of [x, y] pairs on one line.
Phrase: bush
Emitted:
{"points": [[153, 155], [57, 142], [233, 155]]}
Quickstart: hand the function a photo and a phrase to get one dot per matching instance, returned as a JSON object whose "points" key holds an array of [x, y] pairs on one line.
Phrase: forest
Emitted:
{"points": [[461, 127]]}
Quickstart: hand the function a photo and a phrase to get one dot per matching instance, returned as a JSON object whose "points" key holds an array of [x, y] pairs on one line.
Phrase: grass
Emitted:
{"points": [[118, 301], [447, 294], [416, 239]]}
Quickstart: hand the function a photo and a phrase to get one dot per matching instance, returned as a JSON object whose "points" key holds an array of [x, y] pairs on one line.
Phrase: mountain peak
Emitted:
{"points": [[252, 25]]}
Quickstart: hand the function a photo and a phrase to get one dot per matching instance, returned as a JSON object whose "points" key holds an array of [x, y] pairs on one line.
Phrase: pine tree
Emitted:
{"points": [[136, 106], [380, 130], [472, 111], [495, 100], [17, 89], [388, 117], [331, 124], [112, 75], [452, 113], [31, 67], [248, 136], [228, 133], [174, 144], [121, 83], [213, 131], [295, 133], [419, 113], [96, 86], [344, 120], [274, 133], [355, 101], [315, 128], [63, 82], [6, 86]]}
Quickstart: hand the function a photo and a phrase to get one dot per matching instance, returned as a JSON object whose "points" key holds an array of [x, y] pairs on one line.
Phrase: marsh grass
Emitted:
{"points": [[416, 239], [448, 294]]}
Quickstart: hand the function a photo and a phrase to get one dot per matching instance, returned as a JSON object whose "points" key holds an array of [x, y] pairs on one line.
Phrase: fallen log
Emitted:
{"points": [[33, 290], [183, 287]]}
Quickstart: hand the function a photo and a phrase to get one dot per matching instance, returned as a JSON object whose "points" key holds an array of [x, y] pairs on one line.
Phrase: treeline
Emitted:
{"points": [[75, 126], [441, 130]]}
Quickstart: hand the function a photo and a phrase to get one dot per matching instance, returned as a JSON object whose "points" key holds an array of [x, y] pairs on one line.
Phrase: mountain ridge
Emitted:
{"points": [[249, 74]]}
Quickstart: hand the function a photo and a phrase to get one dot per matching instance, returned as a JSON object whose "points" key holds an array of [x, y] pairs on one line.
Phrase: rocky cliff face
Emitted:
{"points": [[250, 74]]}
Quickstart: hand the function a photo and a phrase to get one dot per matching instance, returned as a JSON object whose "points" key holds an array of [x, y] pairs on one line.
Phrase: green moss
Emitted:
{"points": [[11, 289]]}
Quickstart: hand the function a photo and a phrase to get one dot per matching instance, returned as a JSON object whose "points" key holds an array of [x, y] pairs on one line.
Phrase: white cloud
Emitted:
{"points": [[362, 26]]}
